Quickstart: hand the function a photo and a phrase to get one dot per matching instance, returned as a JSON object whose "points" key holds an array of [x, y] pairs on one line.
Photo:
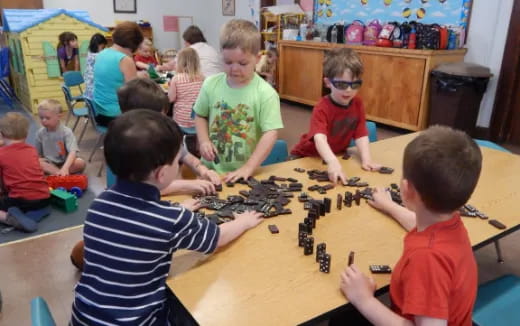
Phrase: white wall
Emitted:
{"points": [[486, 41]]}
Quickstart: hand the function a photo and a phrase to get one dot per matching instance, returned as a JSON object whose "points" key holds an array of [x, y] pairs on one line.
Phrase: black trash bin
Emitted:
{"points": [[456, 90]]}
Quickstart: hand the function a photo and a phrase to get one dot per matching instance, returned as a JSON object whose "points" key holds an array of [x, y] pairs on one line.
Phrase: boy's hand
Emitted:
{"points": [[336, 172], [191, 204], [249, 219], [356, 286], [370, 166], [244, 172], [381, 199], [63, 172], [199, 186], [208, 150], [211, 176]]}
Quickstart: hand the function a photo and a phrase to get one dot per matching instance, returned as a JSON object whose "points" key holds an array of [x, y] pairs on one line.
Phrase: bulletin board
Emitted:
{"points": [[443, 12]]}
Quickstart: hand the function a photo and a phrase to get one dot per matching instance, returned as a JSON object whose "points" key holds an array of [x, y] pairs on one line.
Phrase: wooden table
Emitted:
{"points": [[264, 279]]}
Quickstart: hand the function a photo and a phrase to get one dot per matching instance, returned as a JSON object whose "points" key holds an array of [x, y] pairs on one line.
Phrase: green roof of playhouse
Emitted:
{"points": [[18, 20]]}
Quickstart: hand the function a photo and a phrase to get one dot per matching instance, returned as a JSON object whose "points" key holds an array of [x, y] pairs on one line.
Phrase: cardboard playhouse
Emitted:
{"points": [[32, 36]]}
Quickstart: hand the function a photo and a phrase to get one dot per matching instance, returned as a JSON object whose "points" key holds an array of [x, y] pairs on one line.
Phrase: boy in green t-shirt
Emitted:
{"points": [[238, 113]]}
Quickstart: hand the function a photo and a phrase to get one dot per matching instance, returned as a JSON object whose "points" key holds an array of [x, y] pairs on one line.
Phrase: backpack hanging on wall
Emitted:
{"points": [[354, 33], [372, 32]]}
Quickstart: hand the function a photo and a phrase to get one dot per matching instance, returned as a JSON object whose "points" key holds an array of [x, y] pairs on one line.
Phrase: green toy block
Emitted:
{"points": [[64, 200]]}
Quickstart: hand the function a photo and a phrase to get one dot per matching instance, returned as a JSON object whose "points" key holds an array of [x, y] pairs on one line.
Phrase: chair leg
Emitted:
{"points": [[500, 259], [76, 123], [83, 131], [101, 169], [68, 117], [98, 143]]}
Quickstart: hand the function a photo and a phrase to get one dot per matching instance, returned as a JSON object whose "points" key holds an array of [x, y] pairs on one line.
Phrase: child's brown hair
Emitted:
{"points": [[338, 60], [142, 93], [242, 34], [14, 126], [443, 165], [188, 62], [51, 105]]}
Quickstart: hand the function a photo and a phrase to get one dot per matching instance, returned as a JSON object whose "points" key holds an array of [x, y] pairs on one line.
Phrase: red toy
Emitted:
{"points": [[68, 182]]}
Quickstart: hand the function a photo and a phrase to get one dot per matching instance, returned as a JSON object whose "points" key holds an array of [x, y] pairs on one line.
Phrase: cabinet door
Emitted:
{"points": [[392, 88], [301, 74]]}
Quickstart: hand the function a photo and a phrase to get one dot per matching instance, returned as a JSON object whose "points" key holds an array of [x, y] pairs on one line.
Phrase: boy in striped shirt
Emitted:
{"points": [[130, 234]]}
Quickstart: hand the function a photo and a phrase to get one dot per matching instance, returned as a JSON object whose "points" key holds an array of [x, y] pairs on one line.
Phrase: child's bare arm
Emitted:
{"points": [[207, 149], [62, 65], [364, 152], [262, 150], [197, 186], [172, 91], [333, 166], [76, 63], [242, 222], [64, 170], [383, 202], [141, 65], [203, 172]]}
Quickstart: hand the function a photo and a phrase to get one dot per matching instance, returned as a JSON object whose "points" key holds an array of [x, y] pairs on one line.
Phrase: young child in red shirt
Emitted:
{"points": [[338, 117], [435, 280], [24, 187], [145, 56]]}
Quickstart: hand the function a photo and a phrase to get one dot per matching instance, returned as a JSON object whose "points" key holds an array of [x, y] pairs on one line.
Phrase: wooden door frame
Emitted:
{"points": [[506, 100]]}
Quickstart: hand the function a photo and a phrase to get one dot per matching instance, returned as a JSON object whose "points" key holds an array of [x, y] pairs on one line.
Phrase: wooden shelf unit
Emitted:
{"points": [[147, 32], [395, 87]]}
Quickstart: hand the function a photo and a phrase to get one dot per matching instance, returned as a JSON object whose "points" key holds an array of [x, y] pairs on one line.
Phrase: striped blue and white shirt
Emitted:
{"points": [[130, 236]]}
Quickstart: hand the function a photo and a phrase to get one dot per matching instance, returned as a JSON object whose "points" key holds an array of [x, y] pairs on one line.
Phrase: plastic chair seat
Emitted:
{"points": [[80, 112], [497, 302], [490, 144], [40, 313]]}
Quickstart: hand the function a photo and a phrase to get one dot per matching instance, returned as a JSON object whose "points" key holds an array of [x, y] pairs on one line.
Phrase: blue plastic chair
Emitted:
{"points": [[372, 133], [497, 302], [74, 79], [40, 313], [6, 92], [278, 154], [101, 131], [489, 144], [78, 112]]}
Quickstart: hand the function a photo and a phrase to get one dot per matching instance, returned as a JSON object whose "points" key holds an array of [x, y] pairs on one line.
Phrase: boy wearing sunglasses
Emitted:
{"points": [[338, 117]]}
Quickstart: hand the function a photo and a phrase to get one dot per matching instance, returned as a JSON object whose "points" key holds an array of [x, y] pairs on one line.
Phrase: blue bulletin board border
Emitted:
{"points": [[442, 12]]}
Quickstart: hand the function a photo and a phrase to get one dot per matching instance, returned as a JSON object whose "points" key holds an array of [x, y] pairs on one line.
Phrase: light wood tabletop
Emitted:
{"points": [[264, 279]]}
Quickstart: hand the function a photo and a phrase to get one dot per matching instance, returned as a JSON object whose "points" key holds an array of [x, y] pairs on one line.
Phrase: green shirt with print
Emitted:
{"points": [[237, 118]]}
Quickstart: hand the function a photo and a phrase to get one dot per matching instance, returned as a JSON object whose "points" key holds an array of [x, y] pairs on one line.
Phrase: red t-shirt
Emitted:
{"points": [[22, 176], [147, 60], [340, 125], [436, 275]]}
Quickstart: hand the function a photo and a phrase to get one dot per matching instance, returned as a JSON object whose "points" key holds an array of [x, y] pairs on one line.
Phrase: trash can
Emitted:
{"points": [[456, 90]]}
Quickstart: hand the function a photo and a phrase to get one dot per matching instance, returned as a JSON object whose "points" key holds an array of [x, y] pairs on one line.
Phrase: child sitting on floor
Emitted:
{"points": [[338, 117], [130, 235], [238, 113], [435, 280], [24, 187], [56, 143]]}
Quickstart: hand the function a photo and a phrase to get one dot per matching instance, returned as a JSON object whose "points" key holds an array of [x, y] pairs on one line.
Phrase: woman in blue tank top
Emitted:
{"points": [[114, 66]]}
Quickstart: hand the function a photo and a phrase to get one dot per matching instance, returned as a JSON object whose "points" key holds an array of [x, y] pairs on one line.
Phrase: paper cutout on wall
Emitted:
{"points": [[171, 23], [444, 12]]}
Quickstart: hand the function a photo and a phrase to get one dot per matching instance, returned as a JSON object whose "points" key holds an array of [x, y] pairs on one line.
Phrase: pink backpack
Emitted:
{"points": [[372, 32], [354, 33]]}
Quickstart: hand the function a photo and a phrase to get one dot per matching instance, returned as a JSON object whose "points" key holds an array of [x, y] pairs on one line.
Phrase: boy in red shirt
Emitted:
{"points": [[145, 56], [435, 280], [338, 117], [24, 188]]}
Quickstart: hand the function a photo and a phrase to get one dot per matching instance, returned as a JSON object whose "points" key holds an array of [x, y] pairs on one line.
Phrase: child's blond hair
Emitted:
{"points": [[188, 62], [147, 43], [242, 34], [14, 126], [50, 105]]}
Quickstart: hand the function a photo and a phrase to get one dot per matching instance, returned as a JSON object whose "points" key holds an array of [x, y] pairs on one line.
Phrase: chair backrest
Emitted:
{"points": [[4, 62], [490, 144], [372, 133], [278, 154], [92, 113], [73, 78], [68, 96], [40, 313]]}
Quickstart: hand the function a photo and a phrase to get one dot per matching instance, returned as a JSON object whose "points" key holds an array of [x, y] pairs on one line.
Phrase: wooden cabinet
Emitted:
{"points": [[147, 33], [395, 87]]}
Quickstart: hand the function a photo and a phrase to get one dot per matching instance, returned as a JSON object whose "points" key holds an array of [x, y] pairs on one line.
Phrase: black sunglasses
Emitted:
{"points": [[343, 84]]}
